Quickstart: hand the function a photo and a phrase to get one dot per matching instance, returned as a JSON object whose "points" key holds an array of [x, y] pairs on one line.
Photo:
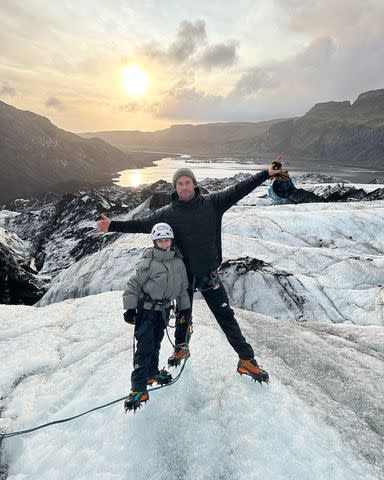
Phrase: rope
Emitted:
{"points": [[169, 338], [29, 430]]}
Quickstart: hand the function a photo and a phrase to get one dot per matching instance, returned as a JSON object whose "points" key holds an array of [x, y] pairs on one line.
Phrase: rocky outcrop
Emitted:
{"points": [[61, 228], [19, 283], [370, 102]]}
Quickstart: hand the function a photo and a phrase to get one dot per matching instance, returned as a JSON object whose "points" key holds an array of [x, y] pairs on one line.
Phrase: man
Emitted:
{"points": [[196, 222]]}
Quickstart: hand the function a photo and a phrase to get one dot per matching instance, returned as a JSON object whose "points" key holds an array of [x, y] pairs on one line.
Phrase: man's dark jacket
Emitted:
{"points": [[196, 223]]}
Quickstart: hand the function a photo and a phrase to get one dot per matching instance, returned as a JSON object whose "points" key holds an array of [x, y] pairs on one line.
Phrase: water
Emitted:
{"points": [[165, 168]]}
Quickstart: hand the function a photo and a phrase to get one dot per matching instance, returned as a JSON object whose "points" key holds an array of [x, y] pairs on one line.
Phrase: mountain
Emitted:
{"points": [[340, 132], [36, 156], [331, 132], [206, 139]]}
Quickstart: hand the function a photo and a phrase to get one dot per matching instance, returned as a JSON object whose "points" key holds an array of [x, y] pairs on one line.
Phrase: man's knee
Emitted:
{"points": [[222, 309]]}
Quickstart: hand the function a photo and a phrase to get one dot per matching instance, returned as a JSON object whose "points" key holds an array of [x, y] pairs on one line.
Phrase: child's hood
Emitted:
{"points": [[148, 253]]}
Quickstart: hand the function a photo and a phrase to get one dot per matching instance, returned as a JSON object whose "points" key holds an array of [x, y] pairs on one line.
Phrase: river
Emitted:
{"points": [[164, 169]]}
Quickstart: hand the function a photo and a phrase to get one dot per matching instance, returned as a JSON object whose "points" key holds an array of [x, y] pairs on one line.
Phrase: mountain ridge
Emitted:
{"points": [[335, 131], [36, 156]]}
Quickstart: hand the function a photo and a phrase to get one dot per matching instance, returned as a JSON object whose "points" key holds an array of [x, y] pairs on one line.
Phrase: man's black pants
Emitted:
{"points": [[149, 332], [218, 303]]}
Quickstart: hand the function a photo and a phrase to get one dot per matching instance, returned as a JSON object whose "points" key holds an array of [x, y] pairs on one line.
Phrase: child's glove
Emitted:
{"points": [[130, 316], [183, 316]]}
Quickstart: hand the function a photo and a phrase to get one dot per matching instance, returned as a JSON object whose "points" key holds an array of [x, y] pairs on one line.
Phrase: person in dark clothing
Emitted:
{"points": [[283, 190], [160, 277], [196, 221]]}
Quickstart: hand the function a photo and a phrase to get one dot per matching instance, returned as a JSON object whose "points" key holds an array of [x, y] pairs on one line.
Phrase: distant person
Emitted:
{"points": [[160, 277], [282, 190], [196, 221]]}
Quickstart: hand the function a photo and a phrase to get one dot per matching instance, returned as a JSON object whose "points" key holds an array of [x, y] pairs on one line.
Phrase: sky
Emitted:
{"points": [[248, 60]]}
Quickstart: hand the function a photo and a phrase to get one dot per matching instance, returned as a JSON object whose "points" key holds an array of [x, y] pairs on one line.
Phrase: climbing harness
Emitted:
{"points": [[211, 281]]}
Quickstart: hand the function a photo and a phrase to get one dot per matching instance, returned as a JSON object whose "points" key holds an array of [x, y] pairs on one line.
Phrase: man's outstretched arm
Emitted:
{"points": [[225, 199], [142, 225]]}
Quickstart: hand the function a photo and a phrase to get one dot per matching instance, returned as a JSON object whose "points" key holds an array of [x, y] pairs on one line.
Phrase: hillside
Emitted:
{"points": [[36, 156], [351, 134], [331, 132], [210, 139]]}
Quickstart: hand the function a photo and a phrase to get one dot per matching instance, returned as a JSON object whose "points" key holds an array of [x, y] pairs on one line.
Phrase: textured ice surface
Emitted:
{"points": [[321, 417], [321, 262]]}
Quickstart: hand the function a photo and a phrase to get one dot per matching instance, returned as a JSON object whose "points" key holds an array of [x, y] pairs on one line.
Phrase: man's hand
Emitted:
{"points": [[276, 166], [103, 225], [130, 316], [282, 176]]}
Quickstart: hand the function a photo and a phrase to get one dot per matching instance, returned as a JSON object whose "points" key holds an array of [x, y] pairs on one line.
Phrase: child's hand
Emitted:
{"points": [[183, 316], [130, 316]]}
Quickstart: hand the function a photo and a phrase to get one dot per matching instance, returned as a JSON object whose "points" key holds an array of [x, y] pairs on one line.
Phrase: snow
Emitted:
{"points": [[108, 269], [320, 417], [260, 195], [324, 262], [18, 247], [5, 215]]}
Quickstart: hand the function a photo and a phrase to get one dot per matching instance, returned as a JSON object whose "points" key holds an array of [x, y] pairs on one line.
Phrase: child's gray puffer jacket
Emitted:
{"points": [[161, 275]]}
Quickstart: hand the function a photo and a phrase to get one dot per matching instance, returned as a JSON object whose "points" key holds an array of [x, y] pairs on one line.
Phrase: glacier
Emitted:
{"points": [[307, 282], [322, 262], [321, 417]]}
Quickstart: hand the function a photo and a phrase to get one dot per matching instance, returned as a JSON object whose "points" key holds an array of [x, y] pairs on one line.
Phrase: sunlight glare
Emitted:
{"points": [[135, 179], [135, 80]]}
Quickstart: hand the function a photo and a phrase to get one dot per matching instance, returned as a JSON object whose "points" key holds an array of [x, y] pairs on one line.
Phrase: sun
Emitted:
{"points": [[135, 80]]}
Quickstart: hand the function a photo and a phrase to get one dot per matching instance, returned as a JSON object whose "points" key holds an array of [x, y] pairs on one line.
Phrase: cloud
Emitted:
{"points": [[7, 90], [188, 38], [342, 19], [253, 81], [55, 103], [280, 89], [309, 65], [219, 55], [129, 107], [317, 54], [185, 103], [191, 48]]}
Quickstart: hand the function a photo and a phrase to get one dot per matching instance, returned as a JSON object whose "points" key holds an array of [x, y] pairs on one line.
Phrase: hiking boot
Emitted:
{"points": [[135, 400], [180, 352], [162, 378], [253, 369]]}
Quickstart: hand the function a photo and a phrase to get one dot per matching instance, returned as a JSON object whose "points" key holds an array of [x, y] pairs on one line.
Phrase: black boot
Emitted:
{"points": [[162, 378]]}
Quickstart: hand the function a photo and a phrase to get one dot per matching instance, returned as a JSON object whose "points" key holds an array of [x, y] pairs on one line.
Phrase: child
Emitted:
{"points": [[160, 277]]}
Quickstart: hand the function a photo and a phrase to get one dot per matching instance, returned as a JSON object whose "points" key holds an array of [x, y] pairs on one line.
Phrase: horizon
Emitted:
{"points": [[135, 67], [185, 124]]}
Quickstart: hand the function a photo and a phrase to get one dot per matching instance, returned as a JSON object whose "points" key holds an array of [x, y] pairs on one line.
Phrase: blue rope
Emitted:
{"points": [[22, 432]]}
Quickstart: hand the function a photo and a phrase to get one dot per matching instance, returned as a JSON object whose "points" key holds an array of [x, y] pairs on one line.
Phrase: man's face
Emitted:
{"points": [[185, 188]]}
